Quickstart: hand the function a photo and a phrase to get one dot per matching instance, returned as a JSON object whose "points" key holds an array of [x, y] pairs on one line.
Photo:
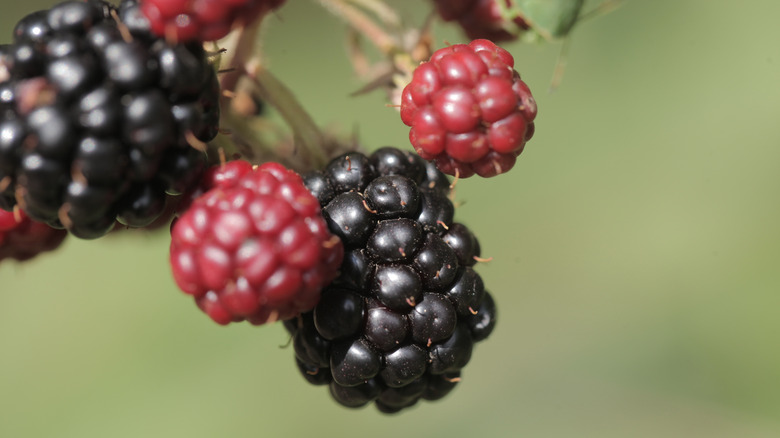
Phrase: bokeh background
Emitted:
{"points": [[636, 259]]}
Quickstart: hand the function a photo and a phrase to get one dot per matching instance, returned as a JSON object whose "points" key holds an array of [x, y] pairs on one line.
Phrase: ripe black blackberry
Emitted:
{"points": [[401, 320], [97, 117]]}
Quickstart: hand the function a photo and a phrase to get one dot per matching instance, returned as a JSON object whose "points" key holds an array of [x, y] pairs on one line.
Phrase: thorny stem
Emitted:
{"points": [[403, 48], [239, 48], [241, 63]]}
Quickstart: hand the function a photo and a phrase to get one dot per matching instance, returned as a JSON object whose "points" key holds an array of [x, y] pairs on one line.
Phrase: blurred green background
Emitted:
{"points": [[636, 259]]}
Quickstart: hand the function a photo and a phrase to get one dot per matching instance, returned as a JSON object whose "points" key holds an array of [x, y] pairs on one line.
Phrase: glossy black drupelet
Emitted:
{"points": [[400, 322], [97, 117]]}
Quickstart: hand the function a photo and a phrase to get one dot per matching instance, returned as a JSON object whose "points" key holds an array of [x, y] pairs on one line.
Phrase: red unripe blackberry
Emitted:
{"points": [[202, 20], [21, 238], [223, 175], [399, 322], [468, 110], [254, 246], [482, 18], [98, 117]]}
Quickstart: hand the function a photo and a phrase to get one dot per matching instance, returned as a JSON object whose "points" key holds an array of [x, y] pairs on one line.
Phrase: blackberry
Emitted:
{"points": [[97, 117], [399, 322]]}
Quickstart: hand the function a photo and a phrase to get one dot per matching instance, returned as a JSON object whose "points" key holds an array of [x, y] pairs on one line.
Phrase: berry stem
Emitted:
{"points": [[509, 13], [385, 13], [305, 131], [362, 23], [603, 8], [240, 61], [238, 47]]}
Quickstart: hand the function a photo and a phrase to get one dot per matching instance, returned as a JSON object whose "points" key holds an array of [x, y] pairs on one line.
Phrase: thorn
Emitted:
{"points": [[429, 342], [194, 142], [473, 312], [403, 253], [392, 105], [443, 225], [452, 379], [349, 165], [438, 274], [410, 301], [481, 260], [365, 204]]}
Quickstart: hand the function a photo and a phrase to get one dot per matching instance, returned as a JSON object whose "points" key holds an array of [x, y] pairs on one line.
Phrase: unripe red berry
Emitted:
{"points": [[21, 238], [203, 20], [254, 246], [468, 110]]}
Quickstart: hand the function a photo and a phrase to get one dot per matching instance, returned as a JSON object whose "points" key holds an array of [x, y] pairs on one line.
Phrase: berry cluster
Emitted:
{"points": [[482, 18], [98, 116], [22, 238], [253, 246], [400, 321], [202, 20], [106, 114], [469, 110]]}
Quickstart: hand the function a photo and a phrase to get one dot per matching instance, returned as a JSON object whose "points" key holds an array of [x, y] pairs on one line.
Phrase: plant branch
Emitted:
{"points": [[362, 23]]}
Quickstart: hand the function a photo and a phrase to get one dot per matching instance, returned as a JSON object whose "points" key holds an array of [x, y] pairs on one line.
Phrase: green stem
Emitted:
{"points": [[362, 23], [239, 47], [385, 13], [307, 134]]}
